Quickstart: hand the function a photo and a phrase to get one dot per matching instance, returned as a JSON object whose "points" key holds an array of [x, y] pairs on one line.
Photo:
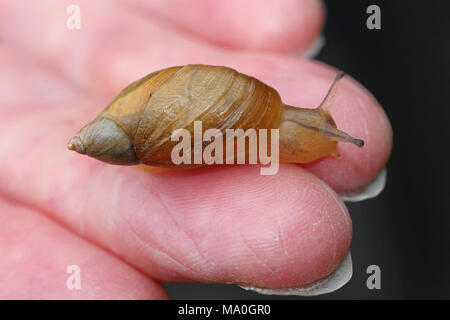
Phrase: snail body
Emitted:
{"points": [[136, 127]]}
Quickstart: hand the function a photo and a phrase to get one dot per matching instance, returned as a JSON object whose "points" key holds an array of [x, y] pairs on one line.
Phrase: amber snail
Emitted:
{"points": [[136, 126]]}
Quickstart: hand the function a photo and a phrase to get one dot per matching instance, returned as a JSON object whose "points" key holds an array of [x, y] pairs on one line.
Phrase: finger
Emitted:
{"points": [[301, 83], [280, 231], [277, 26], [355, 111], [286, 230], [107, 54], [28, 86], [40, 260], [90, 55]]}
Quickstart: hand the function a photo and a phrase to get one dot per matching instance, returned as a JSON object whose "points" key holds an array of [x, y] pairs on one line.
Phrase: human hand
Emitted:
{"points": [[130, 229]]}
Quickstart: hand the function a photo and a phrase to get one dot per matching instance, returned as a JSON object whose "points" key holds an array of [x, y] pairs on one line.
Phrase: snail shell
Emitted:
{"points": [[136, 127]]}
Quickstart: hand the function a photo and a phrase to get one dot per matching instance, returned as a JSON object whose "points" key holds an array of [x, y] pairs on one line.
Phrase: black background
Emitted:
{"points": [[405, 230]]}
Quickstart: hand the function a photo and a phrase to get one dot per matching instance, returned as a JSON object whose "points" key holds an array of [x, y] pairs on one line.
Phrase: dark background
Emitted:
{"points": [[405, 230]]}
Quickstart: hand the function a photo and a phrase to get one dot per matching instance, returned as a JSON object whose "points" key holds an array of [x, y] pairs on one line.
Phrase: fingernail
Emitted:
{"points": [[370, 191], [315, 47], [336, 280]]}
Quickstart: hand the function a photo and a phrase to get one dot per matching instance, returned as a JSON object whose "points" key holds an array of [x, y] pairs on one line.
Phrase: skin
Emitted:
{"points": [[130, 229]]}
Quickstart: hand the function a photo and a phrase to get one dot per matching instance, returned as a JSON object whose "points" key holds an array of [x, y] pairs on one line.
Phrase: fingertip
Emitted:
{"points": [[358, 113], [285, 231]]}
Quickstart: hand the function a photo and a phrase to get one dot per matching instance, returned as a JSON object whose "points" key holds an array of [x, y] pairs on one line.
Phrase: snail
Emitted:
{"points": [[136, 127]]}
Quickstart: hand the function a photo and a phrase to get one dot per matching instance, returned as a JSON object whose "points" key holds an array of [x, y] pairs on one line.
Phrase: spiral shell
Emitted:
{"points": [[137, 125]]}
